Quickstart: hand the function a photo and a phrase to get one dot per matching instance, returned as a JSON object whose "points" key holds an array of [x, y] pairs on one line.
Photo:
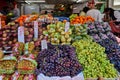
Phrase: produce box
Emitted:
{"points": [[62, 18], [7, 65], [26, 66], [80, 76]]}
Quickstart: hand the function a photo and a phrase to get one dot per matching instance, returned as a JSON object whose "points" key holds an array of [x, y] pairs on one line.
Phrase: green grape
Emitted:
{"points": [[94, 60]]}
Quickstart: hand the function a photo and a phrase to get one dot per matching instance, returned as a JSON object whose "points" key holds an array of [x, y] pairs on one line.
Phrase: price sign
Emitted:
{"points": [[1, 77], [21, 34], [44, 44], [36, 29], [67, 26], [0, 24]]}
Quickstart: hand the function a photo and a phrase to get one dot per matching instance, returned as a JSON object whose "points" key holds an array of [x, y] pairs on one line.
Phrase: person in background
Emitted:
{"points": [[46, 12], [16, 12], [113, 14], [114, 20], [93, 12], [84, 11]]}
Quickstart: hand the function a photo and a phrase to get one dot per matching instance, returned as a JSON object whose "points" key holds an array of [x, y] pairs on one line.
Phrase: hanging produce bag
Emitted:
{"points": [[7, 65]]}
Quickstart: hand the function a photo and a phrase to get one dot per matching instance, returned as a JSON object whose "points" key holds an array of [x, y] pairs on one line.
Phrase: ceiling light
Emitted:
{"points": [[36, 1], [78, 1]]}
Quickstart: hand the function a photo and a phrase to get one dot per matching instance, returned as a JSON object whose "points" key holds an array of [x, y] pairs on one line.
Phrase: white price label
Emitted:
{"points": [[21, 34], [1, 77], [0, 24], [67, 26], [36, 29], [44, 44]]}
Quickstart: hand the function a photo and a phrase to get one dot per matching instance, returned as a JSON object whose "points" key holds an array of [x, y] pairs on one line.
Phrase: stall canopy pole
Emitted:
{"points": [[107, 3]]}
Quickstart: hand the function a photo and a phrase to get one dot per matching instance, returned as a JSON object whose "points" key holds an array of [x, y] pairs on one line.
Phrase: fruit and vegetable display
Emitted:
{"points": [[113, 51], [58, 60], [18, 76], [80, 45], [79, 32], [7, 65], [29, 32], [100, 31], [1, 54], [57, 35], [72, 16], [101, 34], [94, 60], [26, 66], [8, 35], [82, 20]]}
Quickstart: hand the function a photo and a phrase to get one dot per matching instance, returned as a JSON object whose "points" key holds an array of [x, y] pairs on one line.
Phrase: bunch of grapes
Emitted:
{"points": [[100, 31], [102, 34], [93, 59], [79, 32], [58, 61], [113, 51]]}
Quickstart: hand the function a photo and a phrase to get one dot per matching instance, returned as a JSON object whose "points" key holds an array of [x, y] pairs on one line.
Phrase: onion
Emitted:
{"points": [[30, 36], [4, 39], [10, 42], [1, 32], [15, 34], [15, 40]]}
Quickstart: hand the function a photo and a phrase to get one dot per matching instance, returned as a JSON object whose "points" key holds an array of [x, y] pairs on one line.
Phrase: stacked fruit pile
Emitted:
{"points": [[79, 32], [92, 57], [82, 20], [100, 31], [101, 34], [73, 16], [29, 32], [58, 61], [8, 35], [57, 35], [113, 52], [17, 76]]}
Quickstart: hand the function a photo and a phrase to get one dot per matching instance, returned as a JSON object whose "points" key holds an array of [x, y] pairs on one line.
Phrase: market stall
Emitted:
{"points": [[44, 47]]}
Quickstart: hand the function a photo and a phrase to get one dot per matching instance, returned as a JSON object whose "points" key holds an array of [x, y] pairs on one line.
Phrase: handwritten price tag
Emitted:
{"points": [[44, 44], [1, 77], [67, 26], [21, 34], [36, 29]]}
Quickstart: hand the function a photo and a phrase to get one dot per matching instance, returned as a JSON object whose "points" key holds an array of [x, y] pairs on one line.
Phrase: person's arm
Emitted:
{"points": [[17, 14]]}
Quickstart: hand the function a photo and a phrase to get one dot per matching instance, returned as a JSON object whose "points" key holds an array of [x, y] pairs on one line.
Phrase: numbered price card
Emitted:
{"points": [[36, 29], [44, 44], [21, 37], [67, 26]]}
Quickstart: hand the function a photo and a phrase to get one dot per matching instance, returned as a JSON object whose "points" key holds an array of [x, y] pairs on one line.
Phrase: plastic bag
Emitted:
{"points": [[43, 77]]}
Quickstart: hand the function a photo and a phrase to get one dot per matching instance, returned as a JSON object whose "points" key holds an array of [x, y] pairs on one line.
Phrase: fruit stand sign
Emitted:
{"points": [[1, 77], [44, 44], [67, 26], [0, 24], [36, 29], [21, 34]]}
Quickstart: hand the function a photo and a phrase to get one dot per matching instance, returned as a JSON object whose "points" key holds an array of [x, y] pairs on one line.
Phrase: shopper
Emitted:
{"points": [[16, 12], [95, 13], [84, 11], [114, 20], [113, 14]]}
